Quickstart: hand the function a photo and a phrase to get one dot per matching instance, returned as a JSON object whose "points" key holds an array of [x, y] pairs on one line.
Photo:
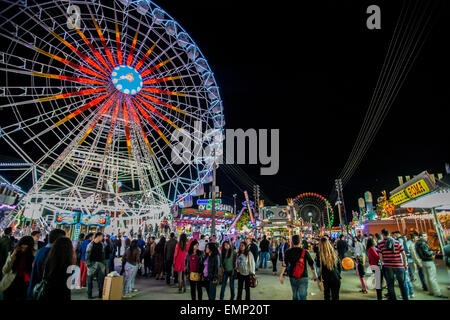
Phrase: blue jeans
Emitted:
{"points": [[226, 275], [409, 287], [263, 257], [299, 288], [390, 275], [211, 290]]}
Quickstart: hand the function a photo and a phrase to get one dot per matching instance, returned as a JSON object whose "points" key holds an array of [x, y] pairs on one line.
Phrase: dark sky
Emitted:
{"points": [[310, 71]]}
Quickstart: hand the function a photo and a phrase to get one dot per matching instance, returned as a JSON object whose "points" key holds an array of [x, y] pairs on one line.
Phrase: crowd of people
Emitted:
{"points": [[31, 269]]}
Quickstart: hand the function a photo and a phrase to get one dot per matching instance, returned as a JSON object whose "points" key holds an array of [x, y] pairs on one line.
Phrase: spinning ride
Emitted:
{"points": [[97, 95]]}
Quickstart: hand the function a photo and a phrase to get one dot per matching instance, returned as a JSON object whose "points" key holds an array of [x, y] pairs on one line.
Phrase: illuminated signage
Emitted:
{"points": [[100, 220], [413, 191], [66, 218]]}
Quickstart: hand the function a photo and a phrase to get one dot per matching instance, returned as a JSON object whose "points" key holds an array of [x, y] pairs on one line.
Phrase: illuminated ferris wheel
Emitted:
{"points": [[314, 208], [99, 95]]}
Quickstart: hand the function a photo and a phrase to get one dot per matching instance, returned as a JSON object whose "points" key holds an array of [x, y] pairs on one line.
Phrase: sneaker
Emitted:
{"points": [[135, 290], [412, 296], [441, 296]]}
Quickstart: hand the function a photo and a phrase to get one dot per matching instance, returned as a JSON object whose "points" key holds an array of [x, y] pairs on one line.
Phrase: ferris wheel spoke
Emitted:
{"points": [[127, 128], [150, 70], [155, 100], [67, 44], [153, 81], [102, 39], [133, 45], [144, 135], [149, 119], [113, 123], [151, 108], [119, 48], [141, 62], [55, 57], [85, 39]]}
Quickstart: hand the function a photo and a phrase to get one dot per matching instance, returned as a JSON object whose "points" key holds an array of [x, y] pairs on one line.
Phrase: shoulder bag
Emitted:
{"points": [[253, 280]]}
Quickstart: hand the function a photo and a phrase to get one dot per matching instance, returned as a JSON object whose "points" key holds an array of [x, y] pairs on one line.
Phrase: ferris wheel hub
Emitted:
{"points": [[127, 80]]}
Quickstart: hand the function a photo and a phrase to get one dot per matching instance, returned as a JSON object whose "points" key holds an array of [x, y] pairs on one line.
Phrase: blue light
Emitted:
{"points": [[127, 80]]}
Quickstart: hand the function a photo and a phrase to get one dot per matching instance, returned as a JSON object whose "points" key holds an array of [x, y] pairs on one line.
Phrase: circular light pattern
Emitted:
{"points": [[315, 198], [127, 80]]}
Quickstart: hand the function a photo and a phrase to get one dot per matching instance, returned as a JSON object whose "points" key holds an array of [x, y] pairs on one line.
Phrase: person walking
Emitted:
{"points": [[6, 247], [228, 259], [360, 272], [95, 257], [108, 249], [375, 266], [179, 262], [37, 243], [273, 252], [60, 257], [417, 262], [284, 246], [245, 265], [295, 260], [394, 264], [329, 270], [253, 247], [159, 258], [126, 245], [132, 259], [169, 252], [17, 270], [263, 252], [211, 269], [342, 247], [194, 269], [83, 266], [37, 271], [426, 255], [147, 258], [118, 245]]}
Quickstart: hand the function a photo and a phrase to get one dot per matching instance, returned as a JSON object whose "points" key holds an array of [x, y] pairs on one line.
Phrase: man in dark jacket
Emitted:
{"points": [[38, 264], [169, 252], [254, 250], [342, 247], [264, 252], [6, 246], [429, 268]]}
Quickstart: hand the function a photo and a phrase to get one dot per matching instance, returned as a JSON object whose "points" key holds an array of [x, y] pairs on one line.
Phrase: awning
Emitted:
{"points": [[438, 199]]}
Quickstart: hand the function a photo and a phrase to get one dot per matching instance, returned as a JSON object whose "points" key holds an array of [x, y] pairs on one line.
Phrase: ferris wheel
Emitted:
{"points": [[100, 96], [314, 208]]}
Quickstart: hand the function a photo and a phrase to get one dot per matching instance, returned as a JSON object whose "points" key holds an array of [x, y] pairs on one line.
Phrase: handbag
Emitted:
{"points": [[9, 276], [253, 280], [220, 275], [40, 288], [194, 276]]}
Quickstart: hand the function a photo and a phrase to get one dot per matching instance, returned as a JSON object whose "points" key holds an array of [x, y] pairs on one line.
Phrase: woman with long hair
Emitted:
{"points": [[211, 269], [132, 258], [329, 270], [228, 258], [18, 266], [179, 262], [59, 258], [374, 262], [195, 270], [159, 258], [273, 249], [245, 265], [127, 245]]}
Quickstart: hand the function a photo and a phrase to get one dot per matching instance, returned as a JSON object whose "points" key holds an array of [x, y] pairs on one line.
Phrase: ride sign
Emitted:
{"points": [[413, 191]]}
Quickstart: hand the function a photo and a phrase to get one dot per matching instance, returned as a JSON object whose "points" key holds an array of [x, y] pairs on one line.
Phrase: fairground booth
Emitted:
{"points": [[75, 223], [422, 204], [195, 222]]}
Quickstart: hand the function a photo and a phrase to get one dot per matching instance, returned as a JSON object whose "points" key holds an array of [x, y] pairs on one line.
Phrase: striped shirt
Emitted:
{"points": [[391, 259]]}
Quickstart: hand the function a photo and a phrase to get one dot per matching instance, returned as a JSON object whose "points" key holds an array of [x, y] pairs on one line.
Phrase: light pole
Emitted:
{"points": [[234, 198]]}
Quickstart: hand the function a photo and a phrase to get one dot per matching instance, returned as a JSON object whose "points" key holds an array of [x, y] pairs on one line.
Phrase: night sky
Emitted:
{"points": [[310, 71]]}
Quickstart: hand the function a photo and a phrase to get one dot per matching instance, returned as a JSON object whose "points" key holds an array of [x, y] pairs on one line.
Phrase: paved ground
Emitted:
{"points": [[269, 288]]}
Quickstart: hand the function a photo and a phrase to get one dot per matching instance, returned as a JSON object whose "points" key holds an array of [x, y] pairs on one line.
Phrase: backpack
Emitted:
{"points": [[299, 267]]}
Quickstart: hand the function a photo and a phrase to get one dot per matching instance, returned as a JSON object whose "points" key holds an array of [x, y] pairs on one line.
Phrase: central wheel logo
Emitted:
{"points": [[127, 80]]}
